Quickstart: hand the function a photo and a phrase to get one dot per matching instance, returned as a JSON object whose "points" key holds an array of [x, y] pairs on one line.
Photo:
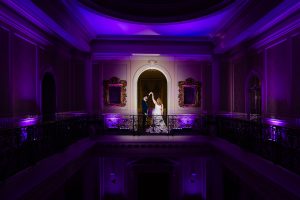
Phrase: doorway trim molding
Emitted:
{"points": [[135, 79]]}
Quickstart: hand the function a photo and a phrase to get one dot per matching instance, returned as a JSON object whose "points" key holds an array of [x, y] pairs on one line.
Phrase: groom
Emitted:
{"points": [[144, 111]]}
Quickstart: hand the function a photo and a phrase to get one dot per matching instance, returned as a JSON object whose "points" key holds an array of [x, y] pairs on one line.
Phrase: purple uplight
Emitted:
{"points": [[29, 121], [112, 120], [186, 121], [275, 122], [275, 129]]}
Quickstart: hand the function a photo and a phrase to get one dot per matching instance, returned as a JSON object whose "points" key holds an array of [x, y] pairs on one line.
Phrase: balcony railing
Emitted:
{"points": [[271, 139], [24, 142], [175, 124]]}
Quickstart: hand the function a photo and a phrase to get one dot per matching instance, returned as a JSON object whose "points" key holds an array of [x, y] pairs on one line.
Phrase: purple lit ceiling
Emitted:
{"points": [[99, 24], [73, 17], [104, 25], [224, 22]]}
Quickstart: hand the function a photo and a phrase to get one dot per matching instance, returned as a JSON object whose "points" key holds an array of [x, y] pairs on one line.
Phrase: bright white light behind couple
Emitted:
{"points": [[158, 125]]}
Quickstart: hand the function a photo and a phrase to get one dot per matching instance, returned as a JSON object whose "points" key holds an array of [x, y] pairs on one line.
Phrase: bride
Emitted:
{"points": [[158, 125]]}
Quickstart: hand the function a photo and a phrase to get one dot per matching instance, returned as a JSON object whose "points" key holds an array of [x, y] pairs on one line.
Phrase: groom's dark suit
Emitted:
{"points": [[145, 112]]}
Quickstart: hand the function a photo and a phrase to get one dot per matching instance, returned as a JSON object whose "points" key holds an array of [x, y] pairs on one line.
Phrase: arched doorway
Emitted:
{"points": [[254, 95], [170, 92], [155, 81], [48, 96]]}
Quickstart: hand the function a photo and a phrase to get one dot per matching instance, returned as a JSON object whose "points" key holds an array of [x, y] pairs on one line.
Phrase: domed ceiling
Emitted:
{"points": [[221, 22], [157, 11]]}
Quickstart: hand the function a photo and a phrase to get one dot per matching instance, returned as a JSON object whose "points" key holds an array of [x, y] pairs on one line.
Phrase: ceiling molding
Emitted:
{"points": [[28, 12], [142, 57], [282, 31], [15, 22], [33, 14], [272, 19], [110, 56], [278, 34], [153, 38]]}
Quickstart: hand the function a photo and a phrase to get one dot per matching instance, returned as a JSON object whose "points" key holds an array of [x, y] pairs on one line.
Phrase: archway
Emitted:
{"points": [[136, 75], [155, 81], [254, 95], [48, 96]]}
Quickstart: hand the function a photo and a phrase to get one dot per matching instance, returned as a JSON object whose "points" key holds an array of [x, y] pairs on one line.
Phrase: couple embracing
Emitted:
{"points": [[158, 125]]}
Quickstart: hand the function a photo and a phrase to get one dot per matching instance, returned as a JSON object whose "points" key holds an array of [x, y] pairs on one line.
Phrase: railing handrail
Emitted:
{"points": [[255, 136]]}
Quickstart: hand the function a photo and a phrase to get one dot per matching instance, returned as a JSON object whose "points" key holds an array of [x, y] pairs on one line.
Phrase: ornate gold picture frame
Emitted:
{"points": [[189, 93], [115, 92]]}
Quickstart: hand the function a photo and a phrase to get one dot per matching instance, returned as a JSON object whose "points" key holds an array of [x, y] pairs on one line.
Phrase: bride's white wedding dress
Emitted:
{"points": [[158, 125]]}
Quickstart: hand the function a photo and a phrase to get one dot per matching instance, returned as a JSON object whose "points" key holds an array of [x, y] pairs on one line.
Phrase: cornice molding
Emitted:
{"points": [[294, 8], [275, 17], [13, 21], [110, 56], [33, 14], [278, 34], [145, 57], [152, 38], [25, 9]]}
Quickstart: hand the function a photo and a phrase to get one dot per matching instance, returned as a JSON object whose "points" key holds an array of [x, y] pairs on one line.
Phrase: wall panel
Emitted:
{"points": [[295, 89], [5, 86], [278, 76], [24, 77]]}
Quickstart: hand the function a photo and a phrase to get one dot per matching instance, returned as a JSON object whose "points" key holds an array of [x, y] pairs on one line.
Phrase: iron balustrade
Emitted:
{"points": [[133, 124], [279, 144], [24, 144]]}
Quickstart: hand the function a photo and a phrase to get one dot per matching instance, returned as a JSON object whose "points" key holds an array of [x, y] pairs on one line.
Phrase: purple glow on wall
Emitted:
{"points": [[23, 135], [27, 91], [194, 179], [25, 64], [114, 177]]}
